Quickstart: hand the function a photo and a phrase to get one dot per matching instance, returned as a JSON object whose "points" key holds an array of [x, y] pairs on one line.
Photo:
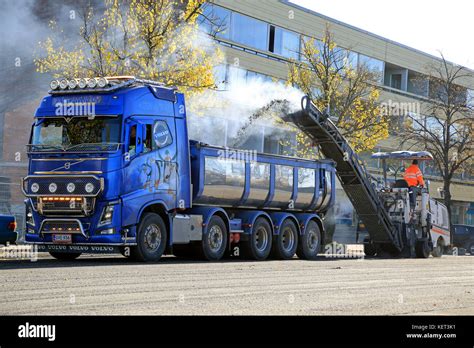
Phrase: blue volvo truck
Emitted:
{"points": [[112, 170]]}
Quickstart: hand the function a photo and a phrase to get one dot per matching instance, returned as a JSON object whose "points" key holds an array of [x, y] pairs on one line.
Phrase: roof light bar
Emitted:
{"points": [[54, 84], [102, 82], [92, 83], [63, 83], [72, 84], [97, 84]]}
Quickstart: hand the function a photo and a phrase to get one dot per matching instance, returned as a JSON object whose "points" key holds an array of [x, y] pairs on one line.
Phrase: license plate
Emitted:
{"points": [[62, 238]]}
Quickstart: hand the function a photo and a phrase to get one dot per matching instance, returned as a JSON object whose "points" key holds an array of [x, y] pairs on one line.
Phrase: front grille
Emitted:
{"points": [[80, 182], [65, 205]]}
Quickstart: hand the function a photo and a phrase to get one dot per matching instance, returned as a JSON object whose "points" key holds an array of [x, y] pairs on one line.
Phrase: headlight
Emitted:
{"points": [[92, 83], [54, 84], [53, 187], [89, 187], [70, 187], [72, 84], [107, 214], [34, 187], [82, 83], [63, 83], [102, 82], [29, 216]]}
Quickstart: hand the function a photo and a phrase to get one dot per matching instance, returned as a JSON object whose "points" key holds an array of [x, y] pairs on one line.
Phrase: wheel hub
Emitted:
{"points": [[216, 237], [313, 240], [287, 239], [152, 237], [261, 239]]}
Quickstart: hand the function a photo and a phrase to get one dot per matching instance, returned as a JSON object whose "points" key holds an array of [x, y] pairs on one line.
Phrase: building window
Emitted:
{"points": [[470, 98], [285, 43], [374, 65], [249, 31], [435, 126], [350, 59], [215, 21], [418, 83], [396, 81], [305, 41], [417, 121]]}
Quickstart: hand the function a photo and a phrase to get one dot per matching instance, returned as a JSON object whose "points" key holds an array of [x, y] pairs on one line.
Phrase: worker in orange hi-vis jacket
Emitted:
{"points": [[413, 175], [414, 179]]}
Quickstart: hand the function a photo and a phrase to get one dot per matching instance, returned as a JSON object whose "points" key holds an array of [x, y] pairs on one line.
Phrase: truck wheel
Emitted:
{"points": [[310, 242], [422, 249], [64, 256], [214, 239], [471, 249], [259, 245], [151, 238], [286, 242]]}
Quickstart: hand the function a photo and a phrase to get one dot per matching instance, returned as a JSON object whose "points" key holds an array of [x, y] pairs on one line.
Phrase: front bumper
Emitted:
{"points": [[90, 248], [83, 231]]}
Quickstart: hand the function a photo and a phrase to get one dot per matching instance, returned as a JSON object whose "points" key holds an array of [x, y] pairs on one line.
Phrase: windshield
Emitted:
{"points": [[76, 134]]}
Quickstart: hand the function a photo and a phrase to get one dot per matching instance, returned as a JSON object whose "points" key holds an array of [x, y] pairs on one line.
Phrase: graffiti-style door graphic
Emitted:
{"points": [[164, 148]]}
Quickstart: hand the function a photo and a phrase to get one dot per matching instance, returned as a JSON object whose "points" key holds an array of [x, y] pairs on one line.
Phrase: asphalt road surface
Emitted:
{"points": [[115, 285]]}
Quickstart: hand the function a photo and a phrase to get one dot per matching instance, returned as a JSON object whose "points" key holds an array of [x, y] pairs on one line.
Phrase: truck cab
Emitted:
{"points": [[98, 158], [111, 169]]}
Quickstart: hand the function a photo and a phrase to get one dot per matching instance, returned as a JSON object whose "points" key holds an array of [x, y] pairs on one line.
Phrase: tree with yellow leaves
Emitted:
{"points": [[335, 83], [152, 39]]}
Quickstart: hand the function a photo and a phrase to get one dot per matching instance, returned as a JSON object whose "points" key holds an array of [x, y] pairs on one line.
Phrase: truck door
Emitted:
{"points": [[135, 177], [160, 135]]}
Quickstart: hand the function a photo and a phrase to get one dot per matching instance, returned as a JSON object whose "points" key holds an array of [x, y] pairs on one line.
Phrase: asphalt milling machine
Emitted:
{"points": [[396, 227]]}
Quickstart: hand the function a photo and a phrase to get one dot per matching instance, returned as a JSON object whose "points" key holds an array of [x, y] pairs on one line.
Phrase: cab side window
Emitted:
{"points": [[132, 147], [148, 140]]}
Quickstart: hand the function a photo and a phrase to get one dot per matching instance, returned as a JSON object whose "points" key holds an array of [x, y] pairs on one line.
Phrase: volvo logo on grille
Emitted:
{"points": [[67, 165]]}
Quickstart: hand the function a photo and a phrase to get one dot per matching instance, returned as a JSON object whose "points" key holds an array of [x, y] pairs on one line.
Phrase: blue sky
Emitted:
{"points": [[427, 25]]}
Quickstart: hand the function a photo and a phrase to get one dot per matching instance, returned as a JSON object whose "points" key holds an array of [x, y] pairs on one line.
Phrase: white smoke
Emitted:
{"points": [[216, 116]]}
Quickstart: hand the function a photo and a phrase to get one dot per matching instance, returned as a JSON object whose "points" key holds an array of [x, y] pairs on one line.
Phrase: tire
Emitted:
{"points": [[259, 245], [438, 251], [151, 238], [65, 256], [286, 242], [310, 242], [422, 249], [369, 248], [214, 239]]}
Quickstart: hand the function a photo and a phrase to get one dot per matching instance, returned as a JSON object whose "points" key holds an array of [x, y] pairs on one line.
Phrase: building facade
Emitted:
{"points": [[259, 38]]}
